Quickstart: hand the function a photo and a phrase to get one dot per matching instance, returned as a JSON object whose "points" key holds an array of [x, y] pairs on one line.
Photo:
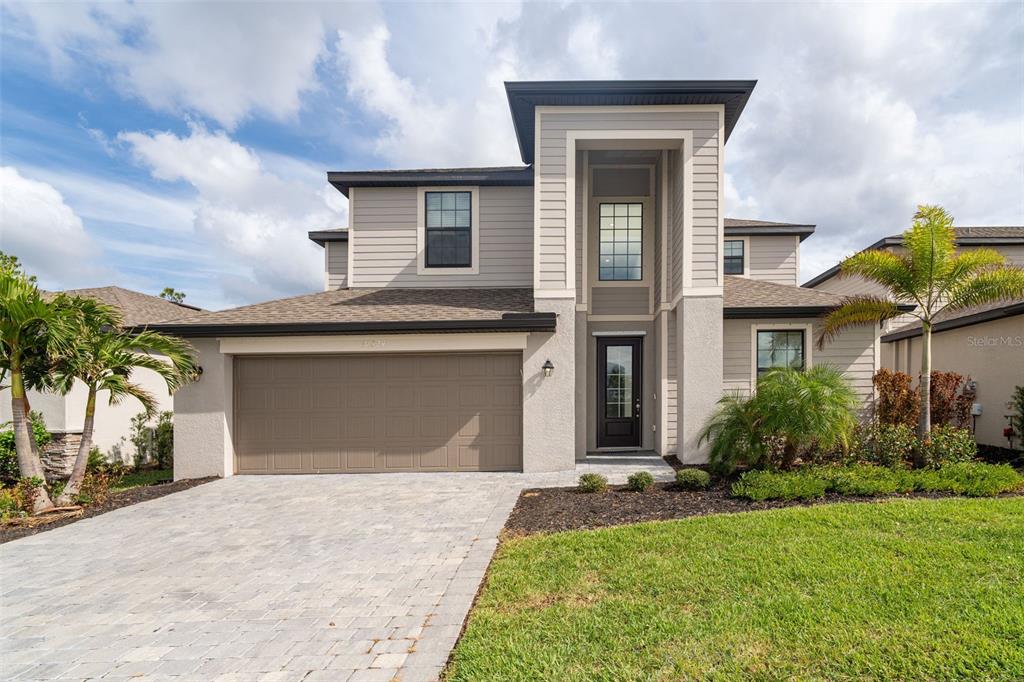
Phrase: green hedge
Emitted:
{"points": [[969, 478]]}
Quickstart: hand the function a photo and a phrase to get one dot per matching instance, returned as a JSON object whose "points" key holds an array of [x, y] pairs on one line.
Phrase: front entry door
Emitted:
{"points": [[619, 372]]}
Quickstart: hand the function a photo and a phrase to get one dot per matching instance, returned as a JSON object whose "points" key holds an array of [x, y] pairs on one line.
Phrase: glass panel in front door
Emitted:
{"points": [[619, 381]]}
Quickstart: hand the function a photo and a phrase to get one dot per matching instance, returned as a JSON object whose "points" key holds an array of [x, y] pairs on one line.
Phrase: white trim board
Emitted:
{"points": [[808, 329], [374, 343], [421, 237], [614, 333]]}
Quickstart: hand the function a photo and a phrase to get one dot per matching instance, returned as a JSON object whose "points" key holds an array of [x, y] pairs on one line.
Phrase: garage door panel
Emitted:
{"points": [[368, 413]]}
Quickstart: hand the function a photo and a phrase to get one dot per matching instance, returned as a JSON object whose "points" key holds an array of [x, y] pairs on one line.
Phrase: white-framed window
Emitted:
{"points": [[734, 257], [784, 344], [620, 241], [448, 231]]}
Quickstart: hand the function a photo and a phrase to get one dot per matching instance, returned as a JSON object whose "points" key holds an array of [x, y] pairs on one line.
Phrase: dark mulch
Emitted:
{"points": [[115, 501], [549, 510]]}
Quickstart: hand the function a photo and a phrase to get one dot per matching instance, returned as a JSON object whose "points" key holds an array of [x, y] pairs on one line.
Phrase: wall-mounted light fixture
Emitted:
{"points": [[548, 368]]}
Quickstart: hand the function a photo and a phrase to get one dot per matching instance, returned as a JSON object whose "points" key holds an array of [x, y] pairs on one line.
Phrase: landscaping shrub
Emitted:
{"points": [[1015, 431], [95, 488], [9, 470], [951, 399], [888, 445], [773, 485], [898, 403], [693, 479], [949, 445], [593, 483], [970, 478], [865, 479], [19, 499], [163, 440], [640, 481]]}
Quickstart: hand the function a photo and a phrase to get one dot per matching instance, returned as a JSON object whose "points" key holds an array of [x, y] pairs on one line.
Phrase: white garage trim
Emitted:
{"points": [[374, 343]]}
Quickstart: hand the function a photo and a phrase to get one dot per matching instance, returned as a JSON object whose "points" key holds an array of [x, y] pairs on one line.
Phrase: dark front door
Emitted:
{"points": [[619, 370]]}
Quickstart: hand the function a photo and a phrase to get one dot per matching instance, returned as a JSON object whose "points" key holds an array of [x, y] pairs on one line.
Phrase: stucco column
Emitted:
{"points": [[699, 363], [204, 415], [549, 403]]}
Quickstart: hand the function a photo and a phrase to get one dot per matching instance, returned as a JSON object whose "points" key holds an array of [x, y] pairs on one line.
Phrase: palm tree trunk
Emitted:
{"points": [[924, 424], [82, 460], [28, 459]]}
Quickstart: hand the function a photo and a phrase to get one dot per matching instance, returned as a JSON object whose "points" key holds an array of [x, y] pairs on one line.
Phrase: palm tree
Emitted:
{"points": [[32, 330], [103, 358], [930, 275]]}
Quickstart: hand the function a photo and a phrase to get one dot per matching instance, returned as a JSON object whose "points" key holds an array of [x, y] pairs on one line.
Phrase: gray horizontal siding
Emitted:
{"points": [[336, 259], [620, 300], [774, 258], [384, 222]]}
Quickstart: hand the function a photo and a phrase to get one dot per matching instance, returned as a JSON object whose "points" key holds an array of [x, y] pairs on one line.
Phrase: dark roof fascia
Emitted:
{"points": [[488, 177], [804, 231], [741, 313], [957, 323], [510, 322], [525, 96], [323, 236]]}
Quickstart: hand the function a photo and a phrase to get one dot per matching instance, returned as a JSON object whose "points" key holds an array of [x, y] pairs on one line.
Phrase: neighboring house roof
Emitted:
{"points": [[983, 235], [961, 318], [321, 237], [359, 311], [498, 176], [756, 298], [524, 97], [739, 226], [138, 309]]}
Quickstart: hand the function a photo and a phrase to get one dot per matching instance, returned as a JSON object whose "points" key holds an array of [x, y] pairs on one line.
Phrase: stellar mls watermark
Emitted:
{"points": [[995, 341]]}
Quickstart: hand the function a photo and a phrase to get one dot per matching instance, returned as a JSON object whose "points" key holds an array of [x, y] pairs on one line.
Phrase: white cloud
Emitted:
{"points": [[43, 232], [253, 218]]}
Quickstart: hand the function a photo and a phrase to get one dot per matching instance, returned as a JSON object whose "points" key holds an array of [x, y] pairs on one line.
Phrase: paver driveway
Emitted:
{"points": [[261, 578]]}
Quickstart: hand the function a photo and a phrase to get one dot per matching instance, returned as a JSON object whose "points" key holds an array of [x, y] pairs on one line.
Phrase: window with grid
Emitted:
{"points": [[734, 257], [783, 348], [449, 230], [621, 242]]}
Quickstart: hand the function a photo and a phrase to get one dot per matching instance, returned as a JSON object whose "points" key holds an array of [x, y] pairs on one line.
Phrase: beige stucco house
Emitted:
{"points": [[985, 343], [595, 298]]}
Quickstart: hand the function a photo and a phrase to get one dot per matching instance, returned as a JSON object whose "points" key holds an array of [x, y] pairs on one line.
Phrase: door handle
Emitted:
{"points": [[636, 407]]}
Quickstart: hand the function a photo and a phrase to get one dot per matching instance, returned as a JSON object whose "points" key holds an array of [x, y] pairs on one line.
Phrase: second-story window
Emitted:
{"points": [[449, 230], [621, 242], [733, 257]]}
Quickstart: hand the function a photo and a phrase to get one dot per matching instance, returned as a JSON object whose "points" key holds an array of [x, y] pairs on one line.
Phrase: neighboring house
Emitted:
{"points": [[985, 342], [64, 414], [519, 318]]}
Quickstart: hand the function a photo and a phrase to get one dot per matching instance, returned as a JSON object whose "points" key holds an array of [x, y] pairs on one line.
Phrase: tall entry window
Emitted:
{"points": [[783, 348], [734, 256], [449, 230], [621, 242]]}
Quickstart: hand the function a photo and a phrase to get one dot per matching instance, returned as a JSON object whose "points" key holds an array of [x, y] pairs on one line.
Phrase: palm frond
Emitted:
{"points": [[888, 269], [930, 244], [1004, 284], [967, 264], [120, 387], [855, 311]]}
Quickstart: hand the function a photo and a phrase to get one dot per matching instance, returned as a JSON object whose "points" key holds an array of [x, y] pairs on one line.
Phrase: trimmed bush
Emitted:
{"points": [[972, 479], [9, 470], [888, 445], [777, 485], [640, 481], [865, 479], [593, 483], [693, 479], [949, 445]]}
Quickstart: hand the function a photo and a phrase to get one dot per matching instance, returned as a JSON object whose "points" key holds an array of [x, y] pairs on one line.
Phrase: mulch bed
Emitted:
{"points": [[117, 500], [549, 510]]}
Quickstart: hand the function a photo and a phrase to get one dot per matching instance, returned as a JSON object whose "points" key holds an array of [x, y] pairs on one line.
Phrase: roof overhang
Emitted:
{"points": [[437, 177], [520, 322], [321, 237], [803, 231], [525, 96], [956, 323], [751, 312]]}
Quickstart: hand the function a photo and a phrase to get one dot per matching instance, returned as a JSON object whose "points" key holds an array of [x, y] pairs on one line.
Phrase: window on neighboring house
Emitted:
{"points": [[734, 257], [621, 242], [782, 348], [449, 230]]}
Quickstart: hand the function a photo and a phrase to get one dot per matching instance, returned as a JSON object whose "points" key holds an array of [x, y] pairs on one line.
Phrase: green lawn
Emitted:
{"points": [[144, 477], [923, 589]]}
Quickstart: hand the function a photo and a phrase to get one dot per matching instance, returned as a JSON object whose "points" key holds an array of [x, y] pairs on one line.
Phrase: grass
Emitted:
{"points": [[144, 477], [907, 589]]}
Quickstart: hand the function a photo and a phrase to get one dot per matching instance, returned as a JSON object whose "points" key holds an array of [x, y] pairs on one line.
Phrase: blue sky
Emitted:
{"points": [[186, 145]]}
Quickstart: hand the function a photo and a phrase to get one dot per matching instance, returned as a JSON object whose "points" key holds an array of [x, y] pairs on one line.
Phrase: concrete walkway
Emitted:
{"points": [[343, 577]]}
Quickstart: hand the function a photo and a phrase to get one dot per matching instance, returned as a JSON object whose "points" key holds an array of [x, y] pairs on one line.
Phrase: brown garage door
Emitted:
{"points": [[361, 413]]}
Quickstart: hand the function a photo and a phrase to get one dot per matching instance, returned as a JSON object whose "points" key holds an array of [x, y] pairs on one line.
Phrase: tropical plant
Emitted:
{"points": [[104, 357], [33, 331], [9, 471], [1016, 405], [952, 395], [897, 402], [791, 412], [930, 275]]}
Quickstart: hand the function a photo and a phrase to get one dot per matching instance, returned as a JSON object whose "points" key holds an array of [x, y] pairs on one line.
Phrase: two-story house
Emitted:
{"points": [[594, 298], [984, 342]]}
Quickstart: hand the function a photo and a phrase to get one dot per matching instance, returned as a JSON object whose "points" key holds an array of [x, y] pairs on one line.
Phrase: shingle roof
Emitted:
{"points": [[971, 235], [137, 308], [961, 318], [751, 297], [369, 310]]}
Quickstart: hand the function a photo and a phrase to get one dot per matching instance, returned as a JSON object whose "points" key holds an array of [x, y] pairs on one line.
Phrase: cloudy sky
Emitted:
{"points": [[185, 145]]}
